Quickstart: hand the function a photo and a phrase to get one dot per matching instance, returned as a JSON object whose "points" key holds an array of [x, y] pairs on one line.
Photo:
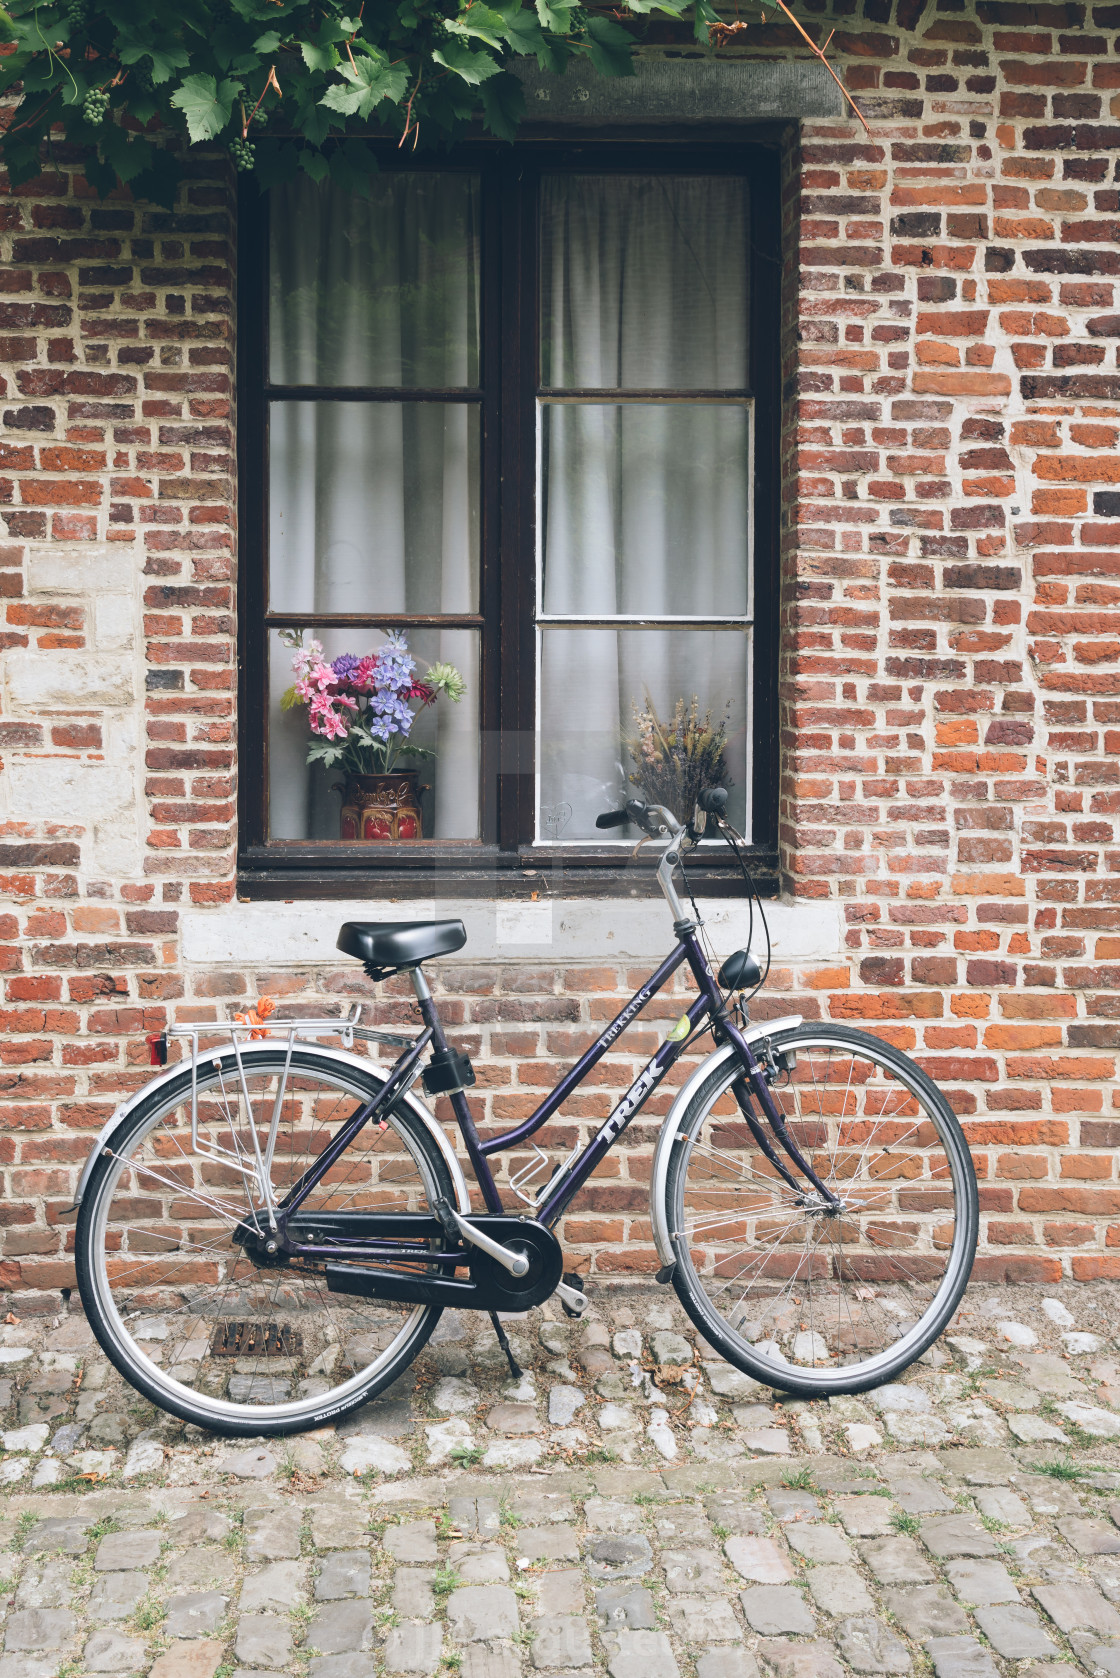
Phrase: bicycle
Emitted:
{"points": [[268, 1234]]}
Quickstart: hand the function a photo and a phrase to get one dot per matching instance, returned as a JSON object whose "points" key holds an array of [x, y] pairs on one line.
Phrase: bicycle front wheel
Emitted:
{"points": [[184, 1310], [807, 1298]]}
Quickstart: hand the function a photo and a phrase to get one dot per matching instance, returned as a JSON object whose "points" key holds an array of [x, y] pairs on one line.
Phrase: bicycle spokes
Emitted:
{"points": [[811, 1280]]}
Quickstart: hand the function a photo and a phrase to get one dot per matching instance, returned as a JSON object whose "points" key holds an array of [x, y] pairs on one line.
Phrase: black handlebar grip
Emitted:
{"points": [[612, 818], [714, 800]]}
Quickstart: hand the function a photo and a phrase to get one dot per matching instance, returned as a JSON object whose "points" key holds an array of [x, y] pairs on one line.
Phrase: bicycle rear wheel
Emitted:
{"points": [[804, 1299], [184, 1311]]}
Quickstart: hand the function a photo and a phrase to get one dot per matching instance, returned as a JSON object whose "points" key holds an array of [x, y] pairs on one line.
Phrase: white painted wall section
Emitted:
{"points": [[558, 930]]}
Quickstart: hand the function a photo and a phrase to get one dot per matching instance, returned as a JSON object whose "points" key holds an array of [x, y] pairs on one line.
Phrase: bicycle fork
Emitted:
{"points": [[775, 1118]]}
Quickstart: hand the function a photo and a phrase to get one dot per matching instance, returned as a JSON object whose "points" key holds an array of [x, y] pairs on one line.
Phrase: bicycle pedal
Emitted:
{"points": [[573, 1300]]}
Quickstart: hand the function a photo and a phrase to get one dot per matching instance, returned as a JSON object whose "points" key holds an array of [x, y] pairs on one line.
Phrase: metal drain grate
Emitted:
{"points": [[256, 1340]]}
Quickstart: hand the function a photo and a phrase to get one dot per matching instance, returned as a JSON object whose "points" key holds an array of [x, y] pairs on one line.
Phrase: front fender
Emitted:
{"points": [[250, 1052], [671, 1129]]}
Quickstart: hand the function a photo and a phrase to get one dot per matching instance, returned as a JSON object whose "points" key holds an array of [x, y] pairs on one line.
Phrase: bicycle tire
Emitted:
{"points": [[797, 1341], [103, 1240]]}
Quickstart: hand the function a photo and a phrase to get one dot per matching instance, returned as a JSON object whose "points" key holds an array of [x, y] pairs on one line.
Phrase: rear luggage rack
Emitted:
{"points": [[257, 1167]]}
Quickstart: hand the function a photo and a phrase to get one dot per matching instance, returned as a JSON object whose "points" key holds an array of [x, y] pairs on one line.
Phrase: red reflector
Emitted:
{"points": [[157, 1049]]}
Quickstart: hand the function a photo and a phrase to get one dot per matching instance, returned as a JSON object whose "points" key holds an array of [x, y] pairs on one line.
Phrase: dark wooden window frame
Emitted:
{"points": [[505, 860]]}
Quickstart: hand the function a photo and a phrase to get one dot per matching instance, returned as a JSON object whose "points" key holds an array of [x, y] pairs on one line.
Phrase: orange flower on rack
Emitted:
{"points": [[257, 1016]]}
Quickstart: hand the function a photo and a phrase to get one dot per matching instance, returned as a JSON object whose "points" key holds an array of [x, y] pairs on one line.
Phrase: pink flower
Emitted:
{"points": [[304, 657], [325, 720], [318, 679]]}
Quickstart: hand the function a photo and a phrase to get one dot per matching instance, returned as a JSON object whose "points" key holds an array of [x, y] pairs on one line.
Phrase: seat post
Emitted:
{"points": [[426, 1003], [463, 1116]]}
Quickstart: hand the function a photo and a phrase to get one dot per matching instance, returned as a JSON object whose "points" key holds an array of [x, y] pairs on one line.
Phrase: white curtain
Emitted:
{"points": [[644, 508], [374, 505]]}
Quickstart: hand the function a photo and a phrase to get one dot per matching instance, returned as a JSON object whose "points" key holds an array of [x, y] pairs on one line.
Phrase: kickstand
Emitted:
{"points": [[515, 1368]]}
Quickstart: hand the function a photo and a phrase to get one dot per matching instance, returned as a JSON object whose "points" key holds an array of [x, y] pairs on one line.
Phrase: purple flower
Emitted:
{"points": [[389, 714], [345, 665], [395, 663]]}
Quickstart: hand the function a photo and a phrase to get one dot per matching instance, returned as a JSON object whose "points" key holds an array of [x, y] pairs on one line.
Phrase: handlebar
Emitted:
{"points": [[657, 822], [654, 820]]}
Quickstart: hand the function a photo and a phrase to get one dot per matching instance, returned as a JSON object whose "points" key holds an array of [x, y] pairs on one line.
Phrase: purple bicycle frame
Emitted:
{"points": [[708, 1004]]}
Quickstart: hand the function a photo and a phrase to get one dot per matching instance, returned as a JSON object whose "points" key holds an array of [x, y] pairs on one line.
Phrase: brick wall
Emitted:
{"points": [[951, 651], [953, 558]]}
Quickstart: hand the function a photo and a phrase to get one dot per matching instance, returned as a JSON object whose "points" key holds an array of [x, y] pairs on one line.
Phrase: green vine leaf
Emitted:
{"points": [[314, 163], [503, 105], [206, 105], [554, 15], [612, 48], [703, 18], [372, 78], [474, 67], [319, 58], [479, 23], [164, 60]]}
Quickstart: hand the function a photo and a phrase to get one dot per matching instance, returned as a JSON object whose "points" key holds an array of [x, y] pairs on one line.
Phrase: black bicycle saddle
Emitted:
{"points": [[400, 943]]}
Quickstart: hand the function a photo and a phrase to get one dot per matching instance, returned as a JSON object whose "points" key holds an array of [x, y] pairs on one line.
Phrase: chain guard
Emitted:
{"points": [[490, 1288]]}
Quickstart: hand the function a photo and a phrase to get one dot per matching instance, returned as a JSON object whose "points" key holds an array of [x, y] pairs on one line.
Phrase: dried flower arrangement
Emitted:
{"points": [[675, 761]]}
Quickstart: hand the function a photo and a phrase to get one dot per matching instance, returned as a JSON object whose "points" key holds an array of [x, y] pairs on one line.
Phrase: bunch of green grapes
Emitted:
{"points": [[243, 153], [95, 106]]}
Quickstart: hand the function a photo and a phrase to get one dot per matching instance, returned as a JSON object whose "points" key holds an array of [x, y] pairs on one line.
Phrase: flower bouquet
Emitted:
{"points": [[675, 761], [361, 710]]}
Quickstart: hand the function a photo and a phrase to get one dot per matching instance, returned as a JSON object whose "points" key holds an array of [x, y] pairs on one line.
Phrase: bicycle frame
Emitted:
{"points": [[709, 1008]]}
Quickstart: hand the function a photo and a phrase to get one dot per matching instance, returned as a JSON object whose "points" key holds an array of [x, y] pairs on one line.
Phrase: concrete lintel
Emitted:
{"points": [[680, 90]]}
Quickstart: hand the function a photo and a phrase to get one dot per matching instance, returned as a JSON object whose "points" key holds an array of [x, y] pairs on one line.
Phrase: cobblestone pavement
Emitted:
{"points": [[631, 1507]]}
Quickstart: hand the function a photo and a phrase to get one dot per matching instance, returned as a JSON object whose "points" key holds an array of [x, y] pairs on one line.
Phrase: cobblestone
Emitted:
{"points": [[774, 1610], [264, 1640], [341, 1628], [122, 1551], [928, 1611], [413, 1648], [869, 1646], [195, 1615], [110, 1651], [345, 1573], [1015, 1632], [994, 1557]]}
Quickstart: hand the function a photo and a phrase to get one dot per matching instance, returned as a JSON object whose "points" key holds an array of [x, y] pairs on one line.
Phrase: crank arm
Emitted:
{"points": [[572, 1298], [516, 1263]]}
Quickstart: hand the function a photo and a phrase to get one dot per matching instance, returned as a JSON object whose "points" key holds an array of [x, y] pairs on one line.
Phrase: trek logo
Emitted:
{"points": [[624, 1018], [630, 1103]]}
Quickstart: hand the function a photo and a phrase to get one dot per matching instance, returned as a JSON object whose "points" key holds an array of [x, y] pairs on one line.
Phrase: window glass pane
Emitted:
{"points": [[373, 507], [644, 282], [377, 290], [594, 684], [645, 509], [303, 800]]}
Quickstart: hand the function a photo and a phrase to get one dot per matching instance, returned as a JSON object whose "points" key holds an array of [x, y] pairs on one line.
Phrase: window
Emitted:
{"points": [[519, 407]]}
